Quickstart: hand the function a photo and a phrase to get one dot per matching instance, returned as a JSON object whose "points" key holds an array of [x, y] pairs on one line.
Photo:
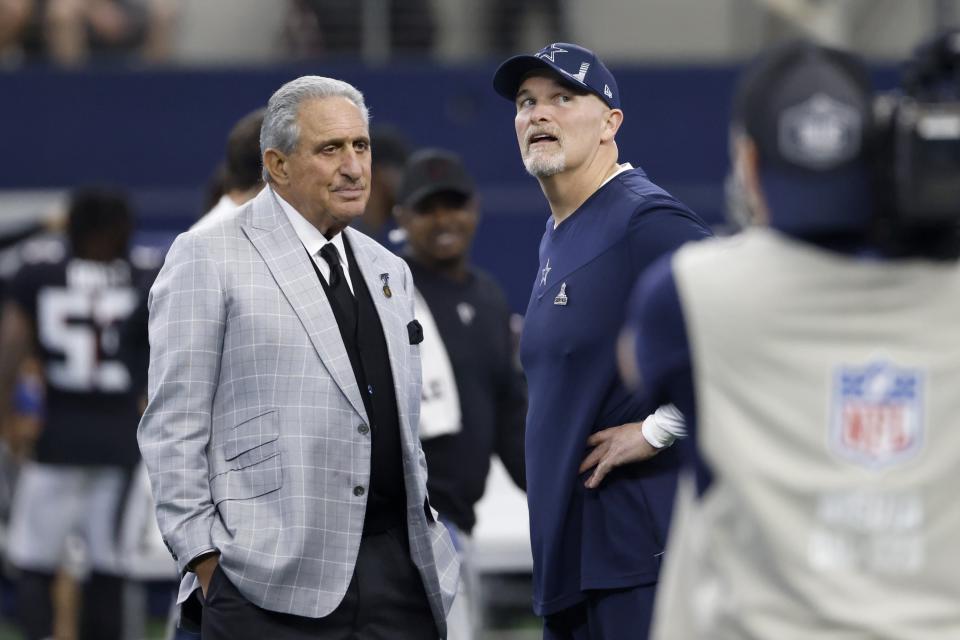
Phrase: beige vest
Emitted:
{"points": [[828, 394]]}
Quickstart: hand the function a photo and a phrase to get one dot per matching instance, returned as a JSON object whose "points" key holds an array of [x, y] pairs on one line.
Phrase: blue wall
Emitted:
{"points": [[161, 133]]}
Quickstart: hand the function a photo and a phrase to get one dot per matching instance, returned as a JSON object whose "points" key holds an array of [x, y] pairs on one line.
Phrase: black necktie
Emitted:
{"points": [[339, 288]]}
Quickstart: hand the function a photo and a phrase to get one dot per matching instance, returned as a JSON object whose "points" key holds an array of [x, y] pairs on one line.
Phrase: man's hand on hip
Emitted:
{"points": [[614, 447]]}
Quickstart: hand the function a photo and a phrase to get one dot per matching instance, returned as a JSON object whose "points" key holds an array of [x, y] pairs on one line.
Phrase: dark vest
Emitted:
{"points": [[370, 360]]}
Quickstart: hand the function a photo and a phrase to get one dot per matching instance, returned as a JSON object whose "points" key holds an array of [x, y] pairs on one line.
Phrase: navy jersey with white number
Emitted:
{"points": [[76, 308]]}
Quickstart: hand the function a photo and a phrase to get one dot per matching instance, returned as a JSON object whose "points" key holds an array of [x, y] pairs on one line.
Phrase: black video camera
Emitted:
{"points": [[919, 132]]}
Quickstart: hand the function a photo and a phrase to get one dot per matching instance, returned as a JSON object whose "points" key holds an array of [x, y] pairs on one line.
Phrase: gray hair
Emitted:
{"points": [[280, 130]]}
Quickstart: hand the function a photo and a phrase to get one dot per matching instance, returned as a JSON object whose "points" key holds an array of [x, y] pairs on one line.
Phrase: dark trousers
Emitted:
{"points": [[608, 614], [385, 601]]}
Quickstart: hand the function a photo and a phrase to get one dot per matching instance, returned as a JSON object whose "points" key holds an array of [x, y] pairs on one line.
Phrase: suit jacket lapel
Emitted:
{"points": [[280, 247]]}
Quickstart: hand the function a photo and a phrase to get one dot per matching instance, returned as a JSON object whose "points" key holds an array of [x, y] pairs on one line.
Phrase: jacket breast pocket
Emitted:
{"points": [[249, 464]]}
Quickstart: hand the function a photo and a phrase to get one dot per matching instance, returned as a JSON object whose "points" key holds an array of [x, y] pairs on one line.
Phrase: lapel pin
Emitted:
{"points": [[561, 299], [385, 279]]}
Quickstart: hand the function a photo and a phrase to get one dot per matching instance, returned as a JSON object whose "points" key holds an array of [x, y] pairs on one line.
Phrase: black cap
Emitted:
{"points": [[578, 66], [389, 145], [431, 171], [809, 110]]}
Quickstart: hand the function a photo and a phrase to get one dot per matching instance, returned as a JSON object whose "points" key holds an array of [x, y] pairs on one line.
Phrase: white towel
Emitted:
{"points": [[440, 406]]}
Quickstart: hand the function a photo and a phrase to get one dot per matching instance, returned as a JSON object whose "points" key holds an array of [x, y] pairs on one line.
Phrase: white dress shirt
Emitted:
{"points": [[313, 240]]}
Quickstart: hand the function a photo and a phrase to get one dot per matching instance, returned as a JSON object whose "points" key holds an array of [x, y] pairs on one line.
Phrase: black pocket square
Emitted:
{"points": [[415, 331]]}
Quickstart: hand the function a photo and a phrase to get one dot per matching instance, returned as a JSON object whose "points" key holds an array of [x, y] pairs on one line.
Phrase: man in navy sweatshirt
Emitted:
{"points": [[596, 551]]}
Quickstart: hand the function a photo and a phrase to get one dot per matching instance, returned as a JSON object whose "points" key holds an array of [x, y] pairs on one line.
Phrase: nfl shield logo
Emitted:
{"points": [[877, 414]]}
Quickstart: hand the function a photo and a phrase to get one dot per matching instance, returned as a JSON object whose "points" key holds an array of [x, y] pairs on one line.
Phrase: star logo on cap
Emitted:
{"points": [[549, 54]]}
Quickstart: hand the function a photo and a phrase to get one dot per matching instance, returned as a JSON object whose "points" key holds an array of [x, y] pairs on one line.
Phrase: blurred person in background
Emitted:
{"points": [[597, 551], [325, 28], [505, 21], [473, 402], [30, 237], [242, 169], [14, 18], [816, 357], [213, 188], [72, 32], [281, 431], [63, 308], [20, 428], [390, 152]]}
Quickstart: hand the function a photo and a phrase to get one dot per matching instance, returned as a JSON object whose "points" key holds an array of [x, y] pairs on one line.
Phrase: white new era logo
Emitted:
{"points": [[607, 92]]}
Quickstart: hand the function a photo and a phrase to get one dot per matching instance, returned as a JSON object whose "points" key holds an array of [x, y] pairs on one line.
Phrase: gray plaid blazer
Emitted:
{"points": [[251, 432]]}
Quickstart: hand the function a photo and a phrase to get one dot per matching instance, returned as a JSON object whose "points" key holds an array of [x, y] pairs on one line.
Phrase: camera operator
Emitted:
{"points": [[816, 357]]}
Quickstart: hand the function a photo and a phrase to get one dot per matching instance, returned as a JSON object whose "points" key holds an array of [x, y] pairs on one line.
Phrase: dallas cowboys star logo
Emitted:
{"points": [[554, 50], [546, 272]]}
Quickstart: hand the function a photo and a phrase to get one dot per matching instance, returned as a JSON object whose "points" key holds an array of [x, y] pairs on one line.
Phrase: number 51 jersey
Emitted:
{"points": [[76, 308]]}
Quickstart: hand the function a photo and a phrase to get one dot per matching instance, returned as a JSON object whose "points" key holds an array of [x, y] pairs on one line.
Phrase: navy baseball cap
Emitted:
{"points": [[578, 66], [809, 110]]}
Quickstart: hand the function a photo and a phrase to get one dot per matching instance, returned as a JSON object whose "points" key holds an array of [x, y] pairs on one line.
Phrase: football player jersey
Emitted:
{"points": [[76, 308]]}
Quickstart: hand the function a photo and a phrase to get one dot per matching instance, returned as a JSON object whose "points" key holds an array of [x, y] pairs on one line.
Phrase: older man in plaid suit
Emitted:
{"points": [[281, 430]]}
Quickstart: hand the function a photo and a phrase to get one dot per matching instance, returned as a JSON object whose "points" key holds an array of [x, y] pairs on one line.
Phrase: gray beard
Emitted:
{"points": [[545, 165]]}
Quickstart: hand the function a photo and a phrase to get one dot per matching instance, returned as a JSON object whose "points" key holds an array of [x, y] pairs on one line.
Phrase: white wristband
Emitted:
{"points": [[664, 426]]}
